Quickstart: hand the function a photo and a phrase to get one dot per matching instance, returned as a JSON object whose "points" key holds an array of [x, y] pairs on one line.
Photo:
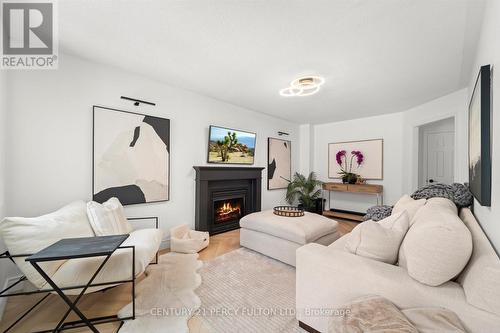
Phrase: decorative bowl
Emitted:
{"points": [[288, 211]]}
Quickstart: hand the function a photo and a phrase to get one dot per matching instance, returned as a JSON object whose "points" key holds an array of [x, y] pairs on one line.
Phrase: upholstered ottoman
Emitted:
{"points": [[279, 237]]}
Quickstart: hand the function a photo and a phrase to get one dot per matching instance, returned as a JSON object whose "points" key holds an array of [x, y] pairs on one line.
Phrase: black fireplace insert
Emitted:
{"points": [[228, 210], [224, 195]]}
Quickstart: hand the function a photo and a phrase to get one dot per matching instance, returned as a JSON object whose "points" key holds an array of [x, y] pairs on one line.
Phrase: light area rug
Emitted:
{"points": [[246, 292], [166, 298]]}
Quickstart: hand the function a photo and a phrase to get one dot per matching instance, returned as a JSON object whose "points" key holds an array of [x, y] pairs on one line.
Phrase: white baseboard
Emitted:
{"points": [[3, 300]]}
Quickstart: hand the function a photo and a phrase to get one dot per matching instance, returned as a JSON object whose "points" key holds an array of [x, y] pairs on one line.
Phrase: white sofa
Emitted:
{"points": [[30, 235], [330, 277]]}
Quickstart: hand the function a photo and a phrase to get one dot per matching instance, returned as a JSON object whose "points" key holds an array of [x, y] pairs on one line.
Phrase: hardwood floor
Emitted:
{"points": [[346, 226], [221, 244], [109, 302]]}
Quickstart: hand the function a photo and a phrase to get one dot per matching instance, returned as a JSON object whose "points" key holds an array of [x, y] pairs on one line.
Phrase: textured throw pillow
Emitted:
{"points": [[108, 218], [377, 213], [438, 245], [406, 203], [373, 314], [379, 240], [30, 235]]}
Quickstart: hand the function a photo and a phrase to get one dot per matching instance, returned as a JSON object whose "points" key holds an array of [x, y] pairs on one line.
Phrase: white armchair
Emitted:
{"points": [[26, 236]]}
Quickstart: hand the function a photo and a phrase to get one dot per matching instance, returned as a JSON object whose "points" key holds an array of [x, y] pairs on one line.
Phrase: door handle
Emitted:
{"points": [[431, 180]]}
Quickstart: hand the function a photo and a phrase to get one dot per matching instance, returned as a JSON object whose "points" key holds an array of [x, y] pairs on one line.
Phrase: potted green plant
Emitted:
{"points": [[304, 190], [346, 165]]}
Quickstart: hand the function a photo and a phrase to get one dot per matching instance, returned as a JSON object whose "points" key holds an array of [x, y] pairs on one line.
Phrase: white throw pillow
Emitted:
{"points": [[407, 203], [438, 245], [482, 284], [30, 235], [379, 240], [481, 277], [108, 218]]}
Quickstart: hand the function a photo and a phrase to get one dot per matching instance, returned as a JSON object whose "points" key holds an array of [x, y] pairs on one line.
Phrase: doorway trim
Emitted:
{"points": [[416, 146], [424, 132]]}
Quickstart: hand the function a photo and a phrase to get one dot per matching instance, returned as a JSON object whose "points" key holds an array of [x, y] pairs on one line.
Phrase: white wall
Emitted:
{"points": [[3, 127], [400, 134], [7, 269], [362, 129], [306, 138], [3, 111], [489, 53], [50, 136], [452, 105]]}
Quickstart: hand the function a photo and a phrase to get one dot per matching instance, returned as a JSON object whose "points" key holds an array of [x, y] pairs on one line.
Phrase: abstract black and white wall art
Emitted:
{"points": [[480, 138], [279, 163], [131, 159]]}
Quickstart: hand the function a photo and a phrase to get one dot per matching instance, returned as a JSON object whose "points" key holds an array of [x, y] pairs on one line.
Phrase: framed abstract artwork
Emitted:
{"points": [[279, 163], [373, 162], [480, 138], [131, 159], [230, 146]]}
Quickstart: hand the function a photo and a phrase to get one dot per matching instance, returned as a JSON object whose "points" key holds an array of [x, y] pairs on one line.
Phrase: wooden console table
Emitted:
{"points": [[377, 190]]}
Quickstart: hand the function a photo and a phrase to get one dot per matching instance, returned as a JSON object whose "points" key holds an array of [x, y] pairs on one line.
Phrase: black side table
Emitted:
{"points": [[73, 248]]}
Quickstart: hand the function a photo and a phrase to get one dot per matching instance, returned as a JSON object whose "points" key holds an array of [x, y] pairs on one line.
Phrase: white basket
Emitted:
{"points": [[185, 240]]}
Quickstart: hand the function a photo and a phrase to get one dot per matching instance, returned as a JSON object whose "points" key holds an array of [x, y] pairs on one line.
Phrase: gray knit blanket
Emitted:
{"points": [[456, 192], [377, 213]]}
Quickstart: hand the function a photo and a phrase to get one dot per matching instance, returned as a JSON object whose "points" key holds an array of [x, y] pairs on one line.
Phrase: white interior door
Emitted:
{"points": [[440, 151]]}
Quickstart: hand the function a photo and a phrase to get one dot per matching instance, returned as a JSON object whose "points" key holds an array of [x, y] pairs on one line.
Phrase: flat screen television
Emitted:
{"points": [[230, 146]]}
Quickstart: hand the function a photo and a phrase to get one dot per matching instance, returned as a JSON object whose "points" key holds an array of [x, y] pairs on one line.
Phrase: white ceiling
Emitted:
{"points": [[378, 56]]}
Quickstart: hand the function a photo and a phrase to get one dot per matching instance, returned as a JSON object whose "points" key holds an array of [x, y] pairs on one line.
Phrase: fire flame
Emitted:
{"points": [[227, 208]]}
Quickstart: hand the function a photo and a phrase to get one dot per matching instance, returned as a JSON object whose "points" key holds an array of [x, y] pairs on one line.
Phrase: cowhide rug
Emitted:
{"points": [[165, 299]]}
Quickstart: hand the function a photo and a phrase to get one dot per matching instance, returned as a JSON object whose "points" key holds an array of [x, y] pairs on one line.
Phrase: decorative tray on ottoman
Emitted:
{"points": [[288, 211]]}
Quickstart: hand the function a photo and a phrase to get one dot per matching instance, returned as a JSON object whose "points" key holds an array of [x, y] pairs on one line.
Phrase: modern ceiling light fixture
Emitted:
{"points": [[303, 86]]}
